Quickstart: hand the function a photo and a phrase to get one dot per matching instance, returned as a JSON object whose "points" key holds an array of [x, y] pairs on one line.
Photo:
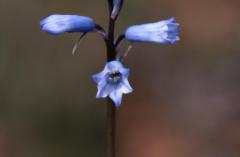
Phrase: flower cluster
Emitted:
{"points": [[113, 80]]}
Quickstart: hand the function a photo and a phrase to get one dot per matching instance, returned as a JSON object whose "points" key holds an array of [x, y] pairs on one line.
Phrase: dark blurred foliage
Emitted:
{"points": [[187, 97]]}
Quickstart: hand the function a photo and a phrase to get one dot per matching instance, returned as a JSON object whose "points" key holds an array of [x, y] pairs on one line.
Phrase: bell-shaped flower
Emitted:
{"points": [[164, 32], [113, 82], [57, 24]]}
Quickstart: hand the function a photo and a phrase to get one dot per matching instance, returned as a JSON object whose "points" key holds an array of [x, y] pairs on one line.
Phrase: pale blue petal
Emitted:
{"points": [[172, 39], [171, 20], [125, 87], [57, 24], [98, 77], [103, 89], [125, 72], [102, 75], [106, 68], [115, 66], [173, 28], [116, 96]]}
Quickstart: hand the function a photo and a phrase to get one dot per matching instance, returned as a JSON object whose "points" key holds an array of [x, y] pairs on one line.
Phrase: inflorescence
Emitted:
{"points": [[113, 82]]}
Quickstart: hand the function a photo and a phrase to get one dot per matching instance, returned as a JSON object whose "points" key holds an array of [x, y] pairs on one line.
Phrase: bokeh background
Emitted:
{"points": [[187, 97]]}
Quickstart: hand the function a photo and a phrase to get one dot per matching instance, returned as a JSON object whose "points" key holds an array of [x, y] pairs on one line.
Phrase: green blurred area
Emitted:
{"points": [[186, 98]]}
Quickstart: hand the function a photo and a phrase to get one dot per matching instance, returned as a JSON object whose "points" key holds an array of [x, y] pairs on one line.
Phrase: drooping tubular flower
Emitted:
{"points": [[58, 24], [164, 32], [113, 82]]}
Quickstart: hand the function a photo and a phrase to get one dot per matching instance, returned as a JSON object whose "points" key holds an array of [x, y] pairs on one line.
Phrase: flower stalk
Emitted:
{"points": [[112, 82], [111, 110], [111, 130]]}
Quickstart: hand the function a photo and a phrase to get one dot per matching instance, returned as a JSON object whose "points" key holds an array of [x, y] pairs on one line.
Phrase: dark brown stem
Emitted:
{"points": [[111, 52], [110, 6], [119, 40], [111, 111], [111, 116]]}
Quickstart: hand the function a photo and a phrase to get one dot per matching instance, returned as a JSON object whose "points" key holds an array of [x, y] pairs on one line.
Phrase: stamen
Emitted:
{"points": [[114, 77]]}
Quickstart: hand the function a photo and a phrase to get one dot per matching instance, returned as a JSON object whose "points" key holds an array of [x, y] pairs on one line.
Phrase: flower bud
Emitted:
{"points": [[116, 8], [57, 24], [164, 32]]}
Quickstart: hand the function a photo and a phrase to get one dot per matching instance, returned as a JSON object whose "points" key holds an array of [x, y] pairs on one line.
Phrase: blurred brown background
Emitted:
{"points": [[186, 101]]}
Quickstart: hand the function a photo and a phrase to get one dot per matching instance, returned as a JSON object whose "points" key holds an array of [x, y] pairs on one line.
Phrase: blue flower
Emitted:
{"points": [[165, 32], [57, 24], [113, 82]]}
